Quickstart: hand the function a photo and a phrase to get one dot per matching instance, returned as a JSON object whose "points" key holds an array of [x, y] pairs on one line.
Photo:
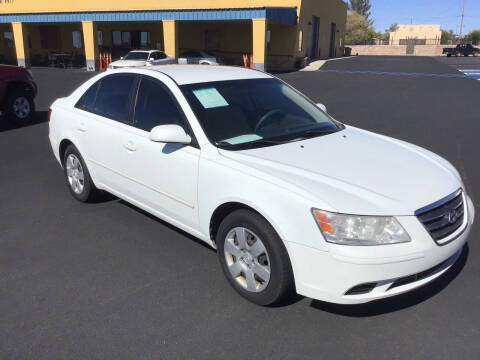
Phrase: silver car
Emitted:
{"points": [[198, 57], [138, 58]]}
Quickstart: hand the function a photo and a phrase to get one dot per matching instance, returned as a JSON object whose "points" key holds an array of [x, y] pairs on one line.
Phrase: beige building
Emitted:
{"points": [[277, 34], [420, 34]]}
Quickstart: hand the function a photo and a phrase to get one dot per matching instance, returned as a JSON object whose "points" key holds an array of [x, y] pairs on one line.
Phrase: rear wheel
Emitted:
{"points": [[19, 106], [77, 176], [254, 259]]}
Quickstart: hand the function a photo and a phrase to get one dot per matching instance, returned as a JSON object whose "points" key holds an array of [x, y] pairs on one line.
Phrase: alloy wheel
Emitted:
{"points": [[75, 175], [21, 107], [247, 259]]}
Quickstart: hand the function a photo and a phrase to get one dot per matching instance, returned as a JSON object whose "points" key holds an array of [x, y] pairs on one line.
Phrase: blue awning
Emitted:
{"points": [[286, 15]]}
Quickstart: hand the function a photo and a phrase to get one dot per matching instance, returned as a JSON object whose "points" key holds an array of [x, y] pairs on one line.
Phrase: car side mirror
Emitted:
{"points": [[322, 107], [170, 134]]}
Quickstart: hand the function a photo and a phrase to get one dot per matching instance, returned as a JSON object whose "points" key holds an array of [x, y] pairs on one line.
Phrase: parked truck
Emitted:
{"points": [[461, 49]]}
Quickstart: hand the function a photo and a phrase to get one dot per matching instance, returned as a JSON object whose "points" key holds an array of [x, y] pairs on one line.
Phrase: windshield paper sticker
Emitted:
{"points": [[210, 97]]}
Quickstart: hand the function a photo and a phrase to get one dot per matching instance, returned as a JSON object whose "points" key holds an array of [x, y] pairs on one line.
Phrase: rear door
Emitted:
{"points": [[105, 113], [163, 177]]}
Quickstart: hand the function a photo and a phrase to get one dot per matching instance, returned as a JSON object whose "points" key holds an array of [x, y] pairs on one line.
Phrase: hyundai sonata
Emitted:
{"points": [[292, 199]]}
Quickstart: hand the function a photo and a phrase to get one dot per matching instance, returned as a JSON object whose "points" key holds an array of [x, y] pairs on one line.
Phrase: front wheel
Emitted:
{"points": [[254, 259]]}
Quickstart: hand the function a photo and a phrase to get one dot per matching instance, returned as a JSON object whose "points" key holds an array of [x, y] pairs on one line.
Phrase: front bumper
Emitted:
{"points": [[392, 269]]}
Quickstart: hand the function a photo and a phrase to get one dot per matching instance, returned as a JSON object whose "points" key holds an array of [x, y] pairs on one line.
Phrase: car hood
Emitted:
{"points": [[128, 63], [356, 172]]}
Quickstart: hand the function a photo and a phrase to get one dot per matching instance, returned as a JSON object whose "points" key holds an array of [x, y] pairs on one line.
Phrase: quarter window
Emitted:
{"points": [[113, 97], [155, 106], [87, 101]]}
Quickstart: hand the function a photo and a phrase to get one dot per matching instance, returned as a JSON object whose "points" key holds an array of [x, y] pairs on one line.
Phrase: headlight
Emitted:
{"points": [[359, 230]]}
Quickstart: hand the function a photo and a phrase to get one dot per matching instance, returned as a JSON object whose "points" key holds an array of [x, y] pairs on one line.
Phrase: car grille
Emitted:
{"points": [[443, 217]]}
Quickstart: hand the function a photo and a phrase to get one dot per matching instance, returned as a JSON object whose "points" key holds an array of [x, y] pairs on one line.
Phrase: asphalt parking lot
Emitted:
{"points": [[108, 281]]}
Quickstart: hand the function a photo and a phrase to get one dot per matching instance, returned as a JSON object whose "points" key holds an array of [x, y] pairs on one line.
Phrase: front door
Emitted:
{"points": [[163, 177]]}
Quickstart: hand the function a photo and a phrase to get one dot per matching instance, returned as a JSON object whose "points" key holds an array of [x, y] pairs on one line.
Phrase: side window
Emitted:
{"points": [[88, 99], [161, 55], [155, 106], [113, 97]]}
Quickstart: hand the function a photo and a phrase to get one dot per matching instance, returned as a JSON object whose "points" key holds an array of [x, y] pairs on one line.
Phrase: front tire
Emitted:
{"points": [[254, 258], [77, 176]]}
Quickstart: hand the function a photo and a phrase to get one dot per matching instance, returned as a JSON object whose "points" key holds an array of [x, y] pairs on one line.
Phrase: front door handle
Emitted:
{"points": [[81, 127], [130, 146]]}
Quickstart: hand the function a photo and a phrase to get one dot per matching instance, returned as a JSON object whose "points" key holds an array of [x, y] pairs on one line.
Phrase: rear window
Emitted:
{"points": [[113, 97]]}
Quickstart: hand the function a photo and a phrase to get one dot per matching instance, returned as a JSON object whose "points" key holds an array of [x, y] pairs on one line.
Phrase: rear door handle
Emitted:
{"points": [[81, 127], [130, 146]]}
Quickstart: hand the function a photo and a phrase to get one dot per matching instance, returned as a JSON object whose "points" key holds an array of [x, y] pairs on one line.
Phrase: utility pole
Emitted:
{"points": [[461, 21]]}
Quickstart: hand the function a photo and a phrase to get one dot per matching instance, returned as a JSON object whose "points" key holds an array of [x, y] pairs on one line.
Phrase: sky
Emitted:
{"points": [[444, 12]]}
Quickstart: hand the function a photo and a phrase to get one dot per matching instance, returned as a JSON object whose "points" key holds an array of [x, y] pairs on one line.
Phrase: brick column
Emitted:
{"points": [[90, 39], [20, 39], [259, 43], [170, 38]]}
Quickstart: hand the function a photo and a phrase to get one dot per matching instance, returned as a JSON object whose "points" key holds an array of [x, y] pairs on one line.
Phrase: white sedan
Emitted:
{"points": [[138, 58], [292, 199]]}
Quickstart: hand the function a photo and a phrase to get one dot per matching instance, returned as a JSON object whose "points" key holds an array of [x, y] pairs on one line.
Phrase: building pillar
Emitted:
{"points": [[90, 39], [259, 43], [20, 38], [170, 38]]}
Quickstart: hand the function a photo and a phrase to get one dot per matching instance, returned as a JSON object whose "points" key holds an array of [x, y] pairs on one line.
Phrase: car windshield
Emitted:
{"points": [[242, 114], [136, 55]]}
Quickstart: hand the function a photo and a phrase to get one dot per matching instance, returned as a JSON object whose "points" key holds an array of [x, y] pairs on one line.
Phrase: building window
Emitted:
{"points": [[77, 39], [100, 38], [8, 40], [212, 40], [145, 39], [117, 38], [269, 34], [126, 39], [300, 40]]}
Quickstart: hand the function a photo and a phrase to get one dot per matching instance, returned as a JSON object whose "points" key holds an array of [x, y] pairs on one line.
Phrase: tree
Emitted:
{"points": [[358, 29], [393, 28], [473, 37], [362, 7], [386, 35], [448, 37]]}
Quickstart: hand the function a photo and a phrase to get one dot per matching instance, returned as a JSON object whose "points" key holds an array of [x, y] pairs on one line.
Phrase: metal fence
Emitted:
{"points": [[415, 41]]}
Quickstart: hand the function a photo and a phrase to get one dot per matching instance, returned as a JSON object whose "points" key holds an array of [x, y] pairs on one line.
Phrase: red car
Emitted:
{"points": [[17, 91]]}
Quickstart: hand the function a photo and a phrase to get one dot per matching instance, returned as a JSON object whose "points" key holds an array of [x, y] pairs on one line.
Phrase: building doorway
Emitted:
{"points": [[333, 32], [314, 44]]}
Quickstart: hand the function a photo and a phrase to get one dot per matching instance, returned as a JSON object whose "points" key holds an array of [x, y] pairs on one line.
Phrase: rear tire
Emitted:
{"points": [[254, 258], [19, 106], [77, 176]]}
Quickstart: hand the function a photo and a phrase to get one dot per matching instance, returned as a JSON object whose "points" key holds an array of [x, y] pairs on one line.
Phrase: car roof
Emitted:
{"points": [[192, 74]]}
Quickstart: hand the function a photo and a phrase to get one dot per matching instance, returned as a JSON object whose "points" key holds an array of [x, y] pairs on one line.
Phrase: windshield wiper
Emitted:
{"points": [[248, 145]]}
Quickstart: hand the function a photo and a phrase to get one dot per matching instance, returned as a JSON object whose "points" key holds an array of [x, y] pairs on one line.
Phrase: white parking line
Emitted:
{"points": [[473, 73]]}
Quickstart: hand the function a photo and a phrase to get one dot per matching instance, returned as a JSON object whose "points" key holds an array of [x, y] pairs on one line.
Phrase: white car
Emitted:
{"points": [[138, 58], [291, 198], [198, 57]]}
